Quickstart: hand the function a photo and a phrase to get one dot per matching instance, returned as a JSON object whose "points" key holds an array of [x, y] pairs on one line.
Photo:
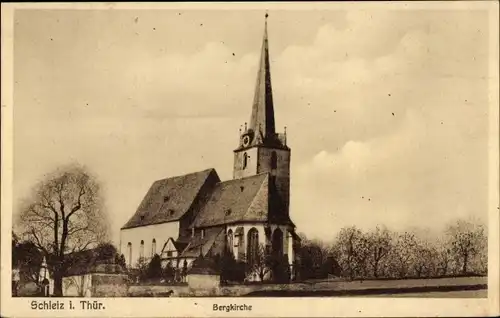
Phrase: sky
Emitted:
{"points": [[386, 110]]}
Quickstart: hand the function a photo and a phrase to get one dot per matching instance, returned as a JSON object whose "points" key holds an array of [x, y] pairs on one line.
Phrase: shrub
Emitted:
{"points": [[169, 273], [231, 269], [154, 267], [280, 269], [106, 252]]}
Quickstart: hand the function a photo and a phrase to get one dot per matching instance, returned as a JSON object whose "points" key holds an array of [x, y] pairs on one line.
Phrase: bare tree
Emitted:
{"points": [[64, 215], [380, 243], [261, 264], [467, 240]]}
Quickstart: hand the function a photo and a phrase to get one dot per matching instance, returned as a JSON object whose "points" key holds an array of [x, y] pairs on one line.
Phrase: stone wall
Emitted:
{"points": [[109, 285], [186, 291], [202, 281], [157, 290], [240, 290], [77, 285]]}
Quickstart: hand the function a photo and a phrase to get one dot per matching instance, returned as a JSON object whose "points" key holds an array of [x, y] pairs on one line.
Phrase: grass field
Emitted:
{"points": [[450, 287], [483, 293], [460, 287]]}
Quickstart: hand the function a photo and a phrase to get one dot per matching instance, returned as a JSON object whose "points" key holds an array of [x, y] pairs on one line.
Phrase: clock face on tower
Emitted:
{"points": [[246, 140]]}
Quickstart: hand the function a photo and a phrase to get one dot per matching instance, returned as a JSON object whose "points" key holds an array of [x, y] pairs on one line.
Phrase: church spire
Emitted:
{"points": [[262, 120]]}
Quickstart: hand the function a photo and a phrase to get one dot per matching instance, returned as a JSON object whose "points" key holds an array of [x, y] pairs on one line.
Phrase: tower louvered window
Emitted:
{"points": [[277, 242], [274, 160]]}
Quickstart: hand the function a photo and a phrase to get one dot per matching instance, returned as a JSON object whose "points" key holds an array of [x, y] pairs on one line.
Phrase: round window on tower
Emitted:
{"points": [[246, 140]]}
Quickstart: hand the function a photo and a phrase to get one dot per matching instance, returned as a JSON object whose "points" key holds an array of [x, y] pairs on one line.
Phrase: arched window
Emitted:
{"points": [[277, 242], [252, 246], [230, 243], [245, 160], [141, 250], [153, 248], [129, 253], [274, 160]]}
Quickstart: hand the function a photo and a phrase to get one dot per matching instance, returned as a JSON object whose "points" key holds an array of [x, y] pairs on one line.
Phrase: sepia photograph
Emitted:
{"points": [[237, 154]]}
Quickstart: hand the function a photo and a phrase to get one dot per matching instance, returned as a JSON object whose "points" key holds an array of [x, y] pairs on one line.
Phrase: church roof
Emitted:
{"points": [[231, 200], [262, 130], [240, 200], [202, 246], [178, 245], [262, 120], [169, 199]]}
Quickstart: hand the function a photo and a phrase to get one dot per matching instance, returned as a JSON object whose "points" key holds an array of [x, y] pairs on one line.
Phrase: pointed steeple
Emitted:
{"points": [[262, 120]]}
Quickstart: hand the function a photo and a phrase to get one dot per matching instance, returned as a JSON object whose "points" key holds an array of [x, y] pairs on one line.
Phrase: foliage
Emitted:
{"points": [[15, 242], [380, 253], [329, 267], [184, 270], [120, 260], [169, 273], [154, 267], [467, 240], [230, 269], [28, 259], [262, 264], [424, 264], [280, 268], [314, 259], [403, 254], [352, 248], [380, 244], [142, 267], [106, 252]]}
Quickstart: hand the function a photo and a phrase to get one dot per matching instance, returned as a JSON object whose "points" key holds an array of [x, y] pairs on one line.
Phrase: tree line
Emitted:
{"points": [[381, 253]]}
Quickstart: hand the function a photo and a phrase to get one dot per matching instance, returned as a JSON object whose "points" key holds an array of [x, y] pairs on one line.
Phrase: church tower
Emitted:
{"points": [[260, 148]]}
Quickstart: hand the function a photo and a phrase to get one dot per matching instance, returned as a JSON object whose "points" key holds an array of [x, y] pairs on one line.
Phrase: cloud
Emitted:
{"points": [[389, 106], [404, 179]]}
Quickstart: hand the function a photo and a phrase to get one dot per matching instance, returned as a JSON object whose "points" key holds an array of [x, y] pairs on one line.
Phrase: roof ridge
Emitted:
{"points": [[245, 178], [185, 188], [257, 194], [214, 240], [186, 174]]}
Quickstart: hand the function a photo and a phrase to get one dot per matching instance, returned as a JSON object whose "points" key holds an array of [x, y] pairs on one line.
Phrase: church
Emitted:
{"points": [[184, 217]]}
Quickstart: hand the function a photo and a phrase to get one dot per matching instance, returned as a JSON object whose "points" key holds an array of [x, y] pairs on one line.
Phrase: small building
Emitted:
{"points": [[46, 282], [171, 252], [32, 279], [203, 274]]}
